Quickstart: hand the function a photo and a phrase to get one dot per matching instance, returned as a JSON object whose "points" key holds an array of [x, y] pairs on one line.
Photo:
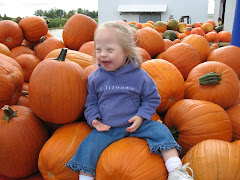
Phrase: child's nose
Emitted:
{"points": [[103, 53]]}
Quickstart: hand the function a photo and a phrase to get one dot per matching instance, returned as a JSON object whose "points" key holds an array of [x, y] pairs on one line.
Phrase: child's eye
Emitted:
{"points": [[98, 50], [110, 50]]}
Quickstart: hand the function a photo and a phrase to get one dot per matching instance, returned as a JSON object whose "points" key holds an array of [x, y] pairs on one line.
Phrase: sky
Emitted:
{"points": [[22, 8]]}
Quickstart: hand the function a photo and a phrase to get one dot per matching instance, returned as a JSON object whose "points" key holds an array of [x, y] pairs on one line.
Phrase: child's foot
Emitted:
{"points": [[180, 173]]}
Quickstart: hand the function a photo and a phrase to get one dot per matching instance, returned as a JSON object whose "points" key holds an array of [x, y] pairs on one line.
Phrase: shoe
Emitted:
{"points": [[180, 173]]}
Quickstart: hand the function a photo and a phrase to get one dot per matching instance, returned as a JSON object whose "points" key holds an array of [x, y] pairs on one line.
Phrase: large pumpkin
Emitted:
{"points": [[130, 158], [199, 43], [78, 30], [150, 40], [34, 27], [59, 149], [183, 56], [234, 114], [11, 33], [214, 159], [228, 55], [58, 90], [84, 60], [11, 80], [169, 81], [213, 81], [22, 137], [192, 121]]}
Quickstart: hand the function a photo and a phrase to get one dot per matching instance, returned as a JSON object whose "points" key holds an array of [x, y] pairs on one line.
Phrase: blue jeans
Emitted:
{"points": [[86, 157]]}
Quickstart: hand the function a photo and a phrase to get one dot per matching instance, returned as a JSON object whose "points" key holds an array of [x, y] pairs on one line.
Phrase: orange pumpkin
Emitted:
{"points": [[22, 136], [167, 43], [5, 50], [221, 159], [192, 121], [11, 33], [212, 37], [58, 90], [225, 36], [34, 27], [199, 43], [150, 40], [11, 80], [59, 149], [196, 24], [213, 81], [211, 22], [87, 48], [169, 81], [234, 113], [28, 62], [183, 56], [23, 101], [144, 54], [46, 45], [228, 55], [82, 59], [130, 158], [21, 50], [198, 31], [90, 69], [78, 29]]}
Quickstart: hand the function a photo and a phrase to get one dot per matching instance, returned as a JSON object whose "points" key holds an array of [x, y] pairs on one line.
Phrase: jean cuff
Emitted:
{"points": [[157, 148], [78, 167]]}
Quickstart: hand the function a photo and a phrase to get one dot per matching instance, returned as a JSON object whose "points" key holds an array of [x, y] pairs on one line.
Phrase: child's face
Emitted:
{"points": [[109, 52]]}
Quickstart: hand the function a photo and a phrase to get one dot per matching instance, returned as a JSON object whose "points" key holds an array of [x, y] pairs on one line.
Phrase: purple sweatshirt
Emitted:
{"points": [[115, 97]]}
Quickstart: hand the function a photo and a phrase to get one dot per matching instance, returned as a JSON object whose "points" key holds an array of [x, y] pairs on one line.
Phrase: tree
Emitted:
{"points": [[59, 13], [39, 12]]}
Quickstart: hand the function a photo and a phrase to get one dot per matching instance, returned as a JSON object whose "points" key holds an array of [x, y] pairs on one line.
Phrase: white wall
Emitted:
{"points": [[196, 9]]}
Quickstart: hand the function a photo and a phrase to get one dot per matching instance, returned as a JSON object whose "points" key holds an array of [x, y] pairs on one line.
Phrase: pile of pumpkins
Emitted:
{"points": [[44, 87], [176, 31]]}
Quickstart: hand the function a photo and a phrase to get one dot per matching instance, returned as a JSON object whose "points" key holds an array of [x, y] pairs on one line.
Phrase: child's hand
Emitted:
{"points": [[100, 126], [137, 122]]}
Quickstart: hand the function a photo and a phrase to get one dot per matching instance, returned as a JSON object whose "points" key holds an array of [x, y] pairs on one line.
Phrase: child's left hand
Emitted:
{"points": [[137, 122]]}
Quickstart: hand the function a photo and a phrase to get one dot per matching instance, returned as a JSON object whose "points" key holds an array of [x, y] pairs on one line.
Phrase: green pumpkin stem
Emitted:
{"points": [[24, 93], [62, 55], [42, 39], [175, 132], [211, 79], [8, 113]]}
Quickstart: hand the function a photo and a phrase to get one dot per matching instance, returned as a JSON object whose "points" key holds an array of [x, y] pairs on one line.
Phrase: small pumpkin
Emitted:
{"points": [[160, 26], [173, 24], [21, 50], [87, 48]]}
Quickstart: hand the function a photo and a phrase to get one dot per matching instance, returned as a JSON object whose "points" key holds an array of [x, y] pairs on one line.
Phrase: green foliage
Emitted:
{"points": [[56, 22]]}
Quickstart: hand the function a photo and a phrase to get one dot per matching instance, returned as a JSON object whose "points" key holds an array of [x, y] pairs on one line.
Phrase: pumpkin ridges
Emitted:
{"points": [[27, 134], [11, 33], [34, 27], [78, 29]]}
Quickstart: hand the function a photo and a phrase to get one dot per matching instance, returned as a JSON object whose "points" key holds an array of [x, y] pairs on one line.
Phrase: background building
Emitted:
{"points": [[160, 10]]}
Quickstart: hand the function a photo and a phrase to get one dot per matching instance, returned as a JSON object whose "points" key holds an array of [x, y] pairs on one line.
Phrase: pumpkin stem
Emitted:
{"points": [[42, 39], [175, 132], [210, 78], [8, 113], [62, 55], [24, 93]]}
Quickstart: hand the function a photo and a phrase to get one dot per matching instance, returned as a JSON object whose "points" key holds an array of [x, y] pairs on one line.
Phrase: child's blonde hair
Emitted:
{"points": [[125, 36]]}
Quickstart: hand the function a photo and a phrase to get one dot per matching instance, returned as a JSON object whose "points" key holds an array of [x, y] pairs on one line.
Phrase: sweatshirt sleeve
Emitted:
{"points": [[150, 99], [91, 105]]}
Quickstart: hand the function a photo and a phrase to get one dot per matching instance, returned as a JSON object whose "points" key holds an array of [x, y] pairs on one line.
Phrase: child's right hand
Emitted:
{"points": [[100, 126]]}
